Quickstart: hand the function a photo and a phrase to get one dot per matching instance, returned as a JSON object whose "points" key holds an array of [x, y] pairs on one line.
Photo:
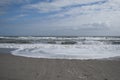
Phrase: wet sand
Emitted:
{"points": [[21, 68]]}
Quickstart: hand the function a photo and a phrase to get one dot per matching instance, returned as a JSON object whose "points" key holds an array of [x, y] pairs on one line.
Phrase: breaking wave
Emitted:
{"points": [[63, 47]]}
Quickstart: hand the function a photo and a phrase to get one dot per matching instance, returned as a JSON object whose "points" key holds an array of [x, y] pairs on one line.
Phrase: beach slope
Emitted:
{"points": [[21, 68]]}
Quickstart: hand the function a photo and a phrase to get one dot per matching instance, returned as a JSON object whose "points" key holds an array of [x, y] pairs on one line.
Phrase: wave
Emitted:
{"points": [[56, 51], [61, 40], [63, 47]]}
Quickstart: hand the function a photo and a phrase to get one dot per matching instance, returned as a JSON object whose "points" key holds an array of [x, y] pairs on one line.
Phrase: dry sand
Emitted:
{"points": [[21, 68]]}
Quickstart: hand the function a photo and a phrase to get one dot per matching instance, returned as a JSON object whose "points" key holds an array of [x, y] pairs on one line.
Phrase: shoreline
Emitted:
{"points": [[8, 51], [22, 68]]}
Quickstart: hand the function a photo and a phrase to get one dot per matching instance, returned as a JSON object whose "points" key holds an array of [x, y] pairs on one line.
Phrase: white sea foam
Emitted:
{"points": [[56, 51]]}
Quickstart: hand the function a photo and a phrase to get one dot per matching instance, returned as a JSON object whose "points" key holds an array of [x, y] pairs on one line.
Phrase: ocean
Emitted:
{"points": [[63, 47]]}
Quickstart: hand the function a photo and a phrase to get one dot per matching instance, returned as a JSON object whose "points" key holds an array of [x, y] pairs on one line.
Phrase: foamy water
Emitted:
{"points": [[91, 48]]}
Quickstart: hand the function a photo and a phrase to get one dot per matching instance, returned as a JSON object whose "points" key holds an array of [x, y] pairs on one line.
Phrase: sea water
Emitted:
{"points": [[63, 47]]}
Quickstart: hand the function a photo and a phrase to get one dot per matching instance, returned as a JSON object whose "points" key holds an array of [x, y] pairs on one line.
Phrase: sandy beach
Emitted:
{"points": [[21, 68]]}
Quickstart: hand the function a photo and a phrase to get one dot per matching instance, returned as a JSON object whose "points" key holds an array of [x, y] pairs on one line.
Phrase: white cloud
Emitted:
{"points": [[107, 13], [57, 5], [110, 6], [104, 16]]}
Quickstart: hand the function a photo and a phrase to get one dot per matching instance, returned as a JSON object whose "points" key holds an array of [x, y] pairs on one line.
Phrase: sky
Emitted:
{"points": [[60, 17]]}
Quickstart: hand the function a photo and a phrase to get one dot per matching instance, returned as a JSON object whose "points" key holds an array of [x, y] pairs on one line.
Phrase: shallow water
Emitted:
{"points": [[6, 50]]}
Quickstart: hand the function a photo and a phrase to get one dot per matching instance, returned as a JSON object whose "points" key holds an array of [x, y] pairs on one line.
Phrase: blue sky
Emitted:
{"points": [[60, 17]]}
